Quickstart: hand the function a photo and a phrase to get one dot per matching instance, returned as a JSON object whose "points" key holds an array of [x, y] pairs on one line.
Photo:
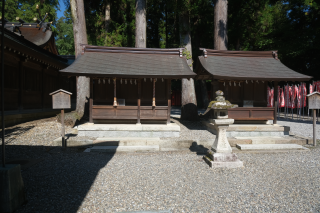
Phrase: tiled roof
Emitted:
{"points": [[242, 65], [130, 62]]}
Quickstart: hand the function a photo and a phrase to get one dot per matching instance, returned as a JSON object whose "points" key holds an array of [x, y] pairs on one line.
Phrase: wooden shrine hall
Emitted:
{"points": [[130, 85], [32, 69], [243, 76]]}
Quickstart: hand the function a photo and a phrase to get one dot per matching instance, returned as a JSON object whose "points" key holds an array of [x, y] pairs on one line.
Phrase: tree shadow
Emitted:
{"points": [[56, 179], [12, 133]]}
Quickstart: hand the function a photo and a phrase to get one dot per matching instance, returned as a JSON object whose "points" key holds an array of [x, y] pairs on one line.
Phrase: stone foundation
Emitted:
{"points": [[129, 130]]}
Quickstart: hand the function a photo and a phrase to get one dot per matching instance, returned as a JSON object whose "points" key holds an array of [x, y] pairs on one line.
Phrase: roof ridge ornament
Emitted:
{"points": [[275, 55], [205, 53], [180, 52]]}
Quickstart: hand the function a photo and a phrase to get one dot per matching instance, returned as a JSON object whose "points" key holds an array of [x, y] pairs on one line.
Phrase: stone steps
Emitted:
{"points": [[245, 147]]}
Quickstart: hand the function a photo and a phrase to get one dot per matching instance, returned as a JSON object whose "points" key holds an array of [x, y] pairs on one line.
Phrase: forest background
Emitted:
{"points": [[291, 27]]}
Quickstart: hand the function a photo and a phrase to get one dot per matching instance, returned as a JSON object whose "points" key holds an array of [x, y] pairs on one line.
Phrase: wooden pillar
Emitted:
{"points": [[114, 92], [91, 100], [154, 93], [139, 101], [314, 127], [21, 82], [42, 88], [169, 100], [275, 99]]}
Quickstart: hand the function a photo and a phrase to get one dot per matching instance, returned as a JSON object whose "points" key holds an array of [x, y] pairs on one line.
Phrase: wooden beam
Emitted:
{"points": [[169, 100], [91, 100], [275, 99], [139, 101]]}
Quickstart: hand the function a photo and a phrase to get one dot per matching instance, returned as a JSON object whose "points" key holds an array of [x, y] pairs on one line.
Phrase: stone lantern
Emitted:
{"points": [[221, 154]]}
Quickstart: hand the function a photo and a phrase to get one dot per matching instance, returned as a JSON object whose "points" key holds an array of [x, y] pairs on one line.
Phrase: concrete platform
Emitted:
{"points": [[124, 148], [251, 130], [269, 146], [129, 130]]}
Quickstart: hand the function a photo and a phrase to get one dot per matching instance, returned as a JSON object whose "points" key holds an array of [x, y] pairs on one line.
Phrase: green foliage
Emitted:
{"points": [[64, 35], [26, 10]]}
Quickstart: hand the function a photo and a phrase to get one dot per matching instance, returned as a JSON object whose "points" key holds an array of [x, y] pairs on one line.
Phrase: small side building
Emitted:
{"points": [[243, 76], [130, 85]]}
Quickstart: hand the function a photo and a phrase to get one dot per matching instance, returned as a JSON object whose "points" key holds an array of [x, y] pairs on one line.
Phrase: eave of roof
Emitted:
{"points": [[19, 43], [125, 62], [245, 65]]}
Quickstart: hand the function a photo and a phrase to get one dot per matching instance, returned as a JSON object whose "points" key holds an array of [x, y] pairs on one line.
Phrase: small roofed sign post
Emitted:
{"points": [[61, 100], [314, 103]]}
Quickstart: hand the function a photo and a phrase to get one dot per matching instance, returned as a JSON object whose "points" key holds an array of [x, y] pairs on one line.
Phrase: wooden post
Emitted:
{"points": [[139, 101], [62, 129], [169, 100], [42, 88], [154, 93], [314, 127], [275, 105], [21, 85], [114, 92], [91, 101]]}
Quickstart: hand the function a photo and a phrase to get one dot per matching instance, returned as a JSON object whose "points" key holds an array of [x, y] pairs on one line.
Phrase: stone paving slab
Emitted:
{"points": [[268, 146], [124, 148]]}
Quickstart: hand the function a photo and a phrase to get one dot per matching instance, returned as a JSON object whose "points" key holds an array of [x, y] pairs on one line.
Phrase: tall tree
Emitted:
{"points": [[107, 18], [80, 37], [189, 109], [141, 24], [220, 25]]}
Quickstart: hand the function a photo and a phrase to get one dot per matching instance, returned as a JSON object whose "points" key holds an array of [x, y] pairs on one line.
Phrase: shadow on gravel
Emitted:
{"points": [[192, 125], [56, 179], [199, 149], [16, 131]]}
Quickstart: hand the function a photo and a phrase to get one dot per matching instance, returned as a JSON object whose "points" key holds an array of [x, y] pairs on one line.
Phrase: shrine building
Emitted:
{"points": [[243, 76]]}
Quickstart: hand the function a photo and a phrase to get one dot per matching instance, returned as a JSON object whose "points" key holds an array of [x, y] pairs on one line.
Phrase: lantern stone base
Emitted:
{"points": [[222, 160], [221, 154]]}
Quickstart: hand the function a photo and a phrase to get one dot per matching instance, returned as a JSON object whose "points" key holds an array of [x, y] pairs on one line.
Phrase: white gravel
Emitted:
{"points": [[73, 181], [300, 127], [178, 181]]}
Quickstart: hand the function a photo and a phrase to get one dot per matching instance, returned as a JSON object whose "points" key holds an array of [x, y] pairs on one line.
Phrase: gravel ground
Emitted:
{"points": [[299, 127], [73, 181], [35, 133]]}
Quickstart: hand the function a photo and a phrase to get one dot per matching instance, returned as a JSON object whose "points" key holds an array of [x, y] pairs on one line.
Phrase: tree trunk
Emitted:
{"points": [[220, 25], [80, 37], [204, 93], [107, 19], [141, 24], [189, 109]]}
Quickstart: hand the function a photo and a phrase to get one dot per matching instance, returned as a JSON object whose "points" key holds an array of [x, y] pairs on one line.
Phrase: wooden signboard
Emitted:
{"points": [[314, 100], [61, 100], [314, 103]]}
